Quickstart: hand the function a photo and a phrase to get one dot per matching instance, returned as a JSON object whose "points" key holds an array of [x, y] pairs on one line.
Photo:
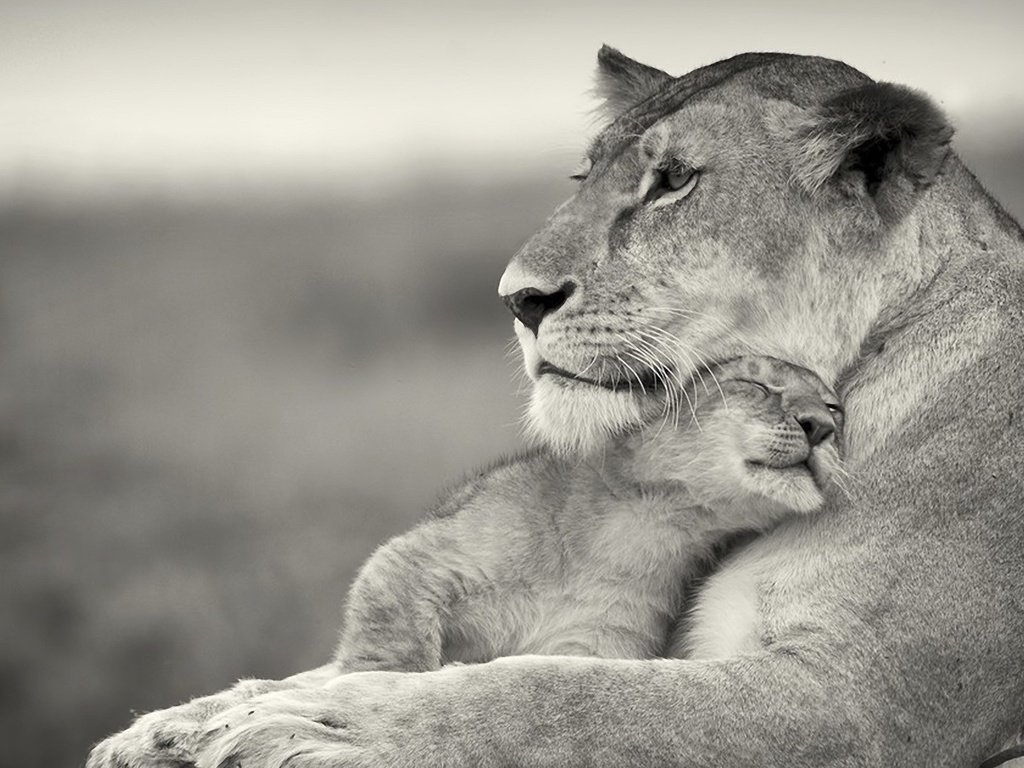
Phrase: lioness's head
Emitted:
{"points": [[764, 205]]}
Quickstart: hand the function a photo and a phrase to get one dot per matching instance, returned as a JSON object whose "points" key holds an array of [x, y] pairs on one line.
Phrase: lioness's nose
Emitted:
{"points": [[816, 422], [531, 305]]}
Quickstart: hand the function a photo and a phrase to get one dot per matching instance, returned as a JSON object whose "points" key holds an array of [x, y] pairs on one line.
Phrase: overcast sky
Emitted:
{"points": [[358, 91]]}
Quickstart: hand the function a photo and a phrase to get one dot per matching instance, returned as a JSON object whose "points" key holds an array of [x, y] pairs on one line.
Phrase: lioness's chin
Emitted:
{"points": [[574, 418]]}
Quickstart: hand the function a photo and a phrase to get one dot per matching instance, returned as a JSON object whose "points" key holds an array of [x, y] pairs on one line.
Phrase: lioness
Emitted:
{"points": [[592, 557], [776, 205]]}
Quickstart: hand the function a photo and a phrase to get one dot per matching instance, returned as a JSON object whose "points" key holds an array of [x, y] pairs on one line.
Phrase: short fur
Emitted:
{"points": [[591, 558], [884, 140], [622, 82], [882, 631]]}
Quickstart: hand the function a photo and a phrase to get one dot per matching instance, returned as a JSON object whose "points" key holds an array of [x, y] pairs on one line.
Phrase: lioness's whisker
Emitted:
{"points": [[615, 380], [676, 342], [590, 365], [670, 346], [639, 379], [680, 389], [716, 323], [648, 354]]}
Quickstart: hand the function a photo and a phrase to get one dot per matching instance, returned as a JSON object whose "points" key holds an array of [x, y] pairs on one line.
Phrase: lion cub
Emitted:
{"points": [[590, 558]]}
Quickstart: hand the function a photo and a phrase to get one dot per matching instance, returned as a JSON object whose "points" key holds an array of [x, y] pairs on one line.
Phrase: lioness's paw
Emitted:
{"points": [[168, 738], [163, 739], [353, 722]]}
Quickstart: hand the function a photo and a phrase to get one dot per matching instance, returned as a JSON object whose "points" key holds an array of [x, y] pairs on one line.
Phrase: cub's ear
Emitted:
{"points": [[881, 141], [623, 82]]}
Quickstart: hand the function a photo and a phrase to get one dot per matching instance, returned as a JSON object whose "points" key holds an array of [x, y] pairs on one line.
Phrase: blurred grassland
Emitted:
{"points": [[212, 410], [210, 413]]}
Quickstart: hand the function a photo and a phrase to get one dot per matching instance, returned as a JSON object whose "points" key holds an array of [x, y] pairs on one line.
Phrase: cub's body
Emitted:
{"points": [[560, 556]]}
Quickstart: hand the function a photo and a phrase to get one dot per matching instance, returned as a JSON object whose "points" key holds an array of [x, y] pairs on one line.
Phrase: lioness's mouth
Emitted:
{"points": [[644, 380]]}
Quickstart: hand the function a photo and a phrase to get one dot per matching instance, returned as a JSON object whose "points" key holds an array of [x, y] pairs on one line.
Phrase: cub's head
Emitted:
{"points": [[765, 205], [763, 433]]}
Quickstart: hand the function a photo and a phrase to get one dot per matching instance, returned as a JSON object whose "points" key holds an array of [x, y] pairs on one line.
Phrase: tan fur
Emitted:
{"points": [[591, 557], [883, 630]]}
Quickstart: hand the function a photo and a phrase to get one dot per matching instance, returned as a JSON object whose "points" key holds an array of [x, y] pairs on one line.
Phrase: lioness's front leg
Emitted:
{"points": [[170, 738], [555, 711]]}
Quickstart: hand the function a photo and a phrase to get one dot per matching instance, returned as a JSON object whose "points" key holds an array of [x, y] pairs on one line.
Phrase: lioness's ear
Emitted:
{"points": [[623, 82], [881, 141]]}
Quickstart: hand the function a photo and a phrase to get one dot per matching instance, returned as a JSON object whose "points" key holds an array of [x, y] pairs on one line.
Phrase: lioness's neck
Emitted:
{"points": [[921, 341]]}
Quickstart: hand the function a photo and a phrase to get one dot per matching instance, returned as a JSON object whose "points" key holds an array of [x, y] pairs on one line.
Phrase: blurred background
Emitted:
{"points": [[248, 318]]}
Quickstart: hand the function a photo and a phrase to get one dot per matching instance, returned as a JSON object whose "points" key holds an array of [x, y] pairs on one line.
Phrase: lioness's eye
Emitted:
{"points": [[582, 170], [671, 182], [676, 177]]}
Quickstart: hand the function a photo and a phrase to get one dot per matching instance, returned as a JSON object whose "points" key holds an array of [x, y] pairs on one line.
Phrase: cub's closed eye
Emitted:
{"points": [[764, 389], [671, 182]]}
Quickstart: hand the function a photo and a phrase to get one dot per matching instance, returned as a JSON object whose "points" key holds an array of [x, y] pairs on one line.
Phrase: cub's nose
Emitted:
{"points": [[531, 305], [817, 423]]}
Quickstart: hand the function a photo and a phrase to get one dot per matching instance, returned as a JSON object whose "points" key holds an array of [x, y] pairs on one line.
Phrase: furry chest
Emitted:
{"points": [[725, 620], [756, 593]]}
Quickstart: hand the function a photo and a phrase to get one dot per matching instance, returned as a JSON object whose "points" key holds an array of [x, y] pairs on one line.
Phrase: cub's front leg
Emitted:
{"points": [[393, 612], [170, 738], [406, 600]]}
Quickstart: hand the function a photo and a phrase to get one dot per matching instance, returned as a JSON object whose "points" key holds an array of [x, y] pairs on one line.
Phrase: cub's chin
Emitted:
{"points": [[573, 417], [791, 488]]}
